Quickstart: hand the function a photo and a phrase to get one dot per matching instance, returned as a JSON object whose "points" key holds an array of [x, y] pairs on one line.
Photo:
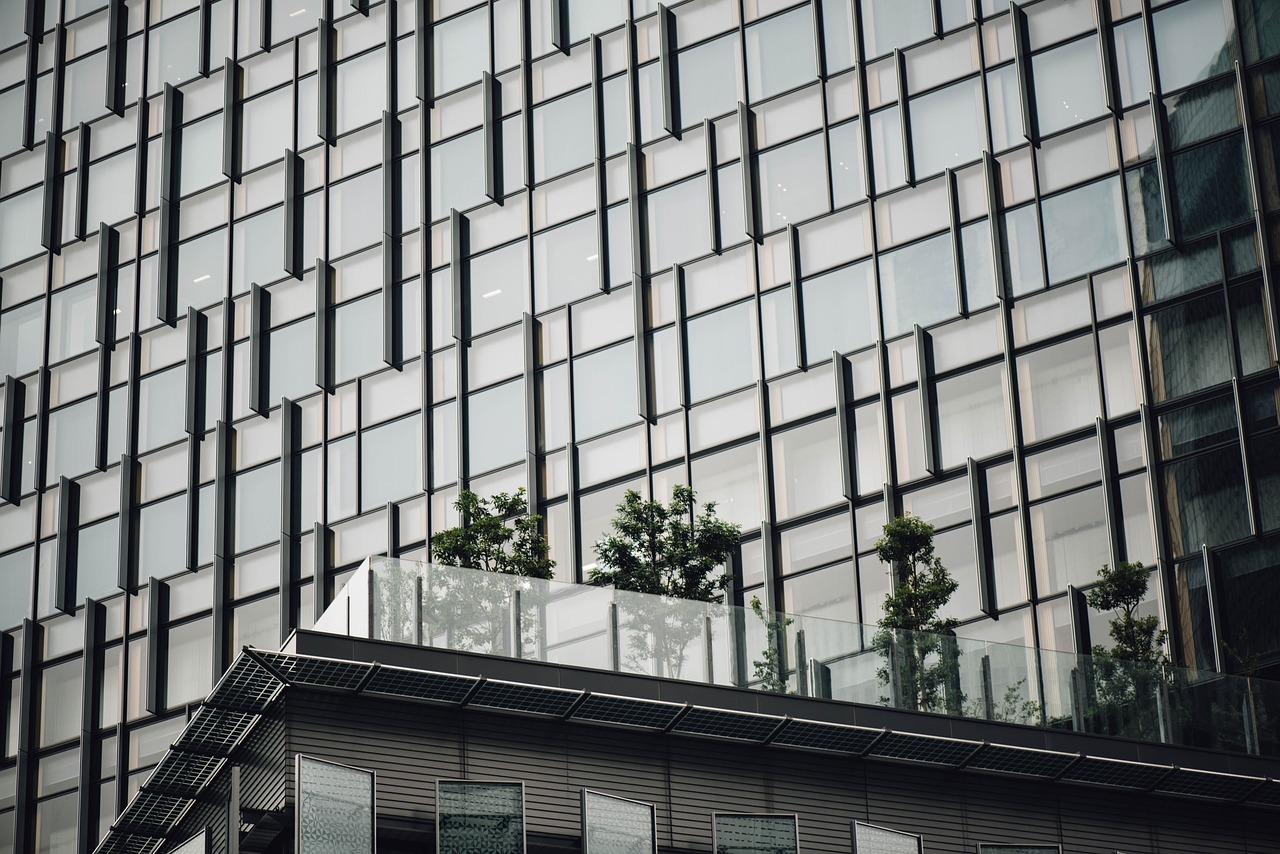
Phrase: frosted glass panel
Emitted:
{"points": [[869, 839], [480, 818], [335, 808], [756, 834], [616, 825]]}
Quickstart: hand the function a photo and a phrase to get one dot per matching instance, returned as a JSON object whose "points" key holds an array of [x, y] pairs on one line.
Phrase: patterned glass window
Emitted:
{"points": [[755, 834], [479, 818], [335, 808], [869, 839], [613, 825]]}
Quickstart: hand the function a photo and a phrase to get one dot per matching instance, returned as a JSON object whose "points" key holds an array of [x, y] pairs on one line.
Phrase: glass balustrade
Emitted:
{"points": [[606, 629]]}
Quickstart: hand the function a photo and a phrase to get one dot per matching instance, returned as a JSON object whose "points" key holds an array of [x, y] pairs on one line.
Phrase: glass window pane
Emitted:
{"points": [[1058, 389], [201, 156], [1084, 230], [267, 126], [721, 351], [361, 90], [495, 427], [732, 480], [190, 671], [1198, 327], [357, 335], [780, 54], [355, 208], [562, 135], [845, 144], [499, 287], [173, 52], [20, 219], [606, 399], [566, 264], [881, 840], [1211, 186], [1193, 41], [259, 250], [839, 311], [391, 462], [292, 361], [72, 431], [973, 415], [457, 175], [677, 224], [919, 285], [162, 539], [616, 825], [805, 478], [335, 808], [793, 183], [827, 594], [753, 834], [257, 507], [460, 50], [111, 187], [888, 24], [1204, 500], [1068, 85], [946, 127], [709, 80], [202, 271], [97, 561], [1069, 540], [73, 314], [159, 420], [480, 817]]}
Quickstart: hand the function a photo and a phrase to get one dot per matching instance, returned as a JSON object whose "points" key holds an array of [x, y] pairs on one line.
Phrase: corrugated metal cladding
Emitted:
{"points": [[411, 746]]}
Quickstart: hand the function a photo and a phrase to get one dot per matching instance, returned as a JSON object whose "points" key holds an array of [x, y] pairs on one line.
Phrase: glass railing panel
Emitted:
{"points": [[602, 628]]}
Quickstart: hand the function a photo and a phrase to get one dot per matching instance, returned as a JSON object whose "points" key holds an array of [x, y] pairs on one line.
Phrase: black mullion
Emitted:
{"points": [[29, 96], [987, 599], [669, 70], [82, 183], [560, 25], [635, 184], [750, 179], [904, 116], [157, 648], [127, 574], [529, 351], [326, 89], [1026, 77], [1107, 56], [713, 186], [259, 350], [117, 56], [204, 61], [290, 512], [51, 211], [391, 228], [422, 61], [28, 726], [88, 803], [233, 120], [11, 441], [491, 94], [140, 163], [67, 551], [928, 400], [797, 297], [324, 320], [644, 396], [294, 216], [601, 175], [1111, 497], [957, 242], [458, 276]]}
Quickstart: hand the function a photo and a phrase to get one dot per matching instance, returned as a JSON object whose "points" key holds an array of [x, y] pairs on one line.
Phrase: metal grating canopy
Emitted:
{"points": [[247, 686], [627, 711], [153, 814], [1207, 784], [530, 699], [317, 672], [815, 735], [183, 774], [420, 685], [925, 748], [119, 843], [1022, 761], [719, 723], [1115, 772], [1268, 794]]}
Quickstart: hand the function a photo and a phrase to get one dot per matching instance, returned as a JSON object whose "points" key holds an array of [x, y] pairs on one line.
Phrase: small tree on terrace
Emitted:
{"points": [[665, 550], [1127, 677], [498, 535], [911, 632]]}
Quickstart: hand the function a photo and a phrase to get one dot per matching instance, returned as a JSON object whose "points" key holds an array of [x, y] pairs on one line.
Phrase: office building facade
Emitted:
{"points": [[279, 278]]}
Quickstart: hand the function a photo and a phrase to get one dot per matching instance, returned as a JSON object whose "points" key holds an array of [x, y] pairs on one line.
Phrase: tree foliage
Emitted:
{"points": [[487, 542], [921, 584], [1122, 590], [664, 549], [768, 669], [921, 662]]}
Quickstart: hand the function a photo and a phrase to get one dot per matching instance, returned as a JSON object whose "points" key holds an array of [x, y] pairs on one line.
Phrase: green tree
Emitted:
{"points": [[497, 534], [666, 550], [469, 610], [768, 667], [922, 662], [1127, 677], [1122, 590]]}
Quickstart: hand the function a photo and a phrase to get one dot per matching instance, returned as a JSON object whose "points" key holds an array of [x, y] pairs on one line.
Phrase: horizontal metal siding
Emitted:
{"points": [[410, 746]]}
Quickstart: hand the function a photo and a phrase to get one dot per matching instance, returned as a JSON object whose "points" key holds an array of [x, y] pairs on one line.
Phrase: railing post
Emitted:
{"points": [[1250, 715], [615, 645], [895, 671], [513, 646], [708, 649], [802, 672], [1077, 700], [418, 633], [988, 693], [372, 633], [1164, 719]]}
